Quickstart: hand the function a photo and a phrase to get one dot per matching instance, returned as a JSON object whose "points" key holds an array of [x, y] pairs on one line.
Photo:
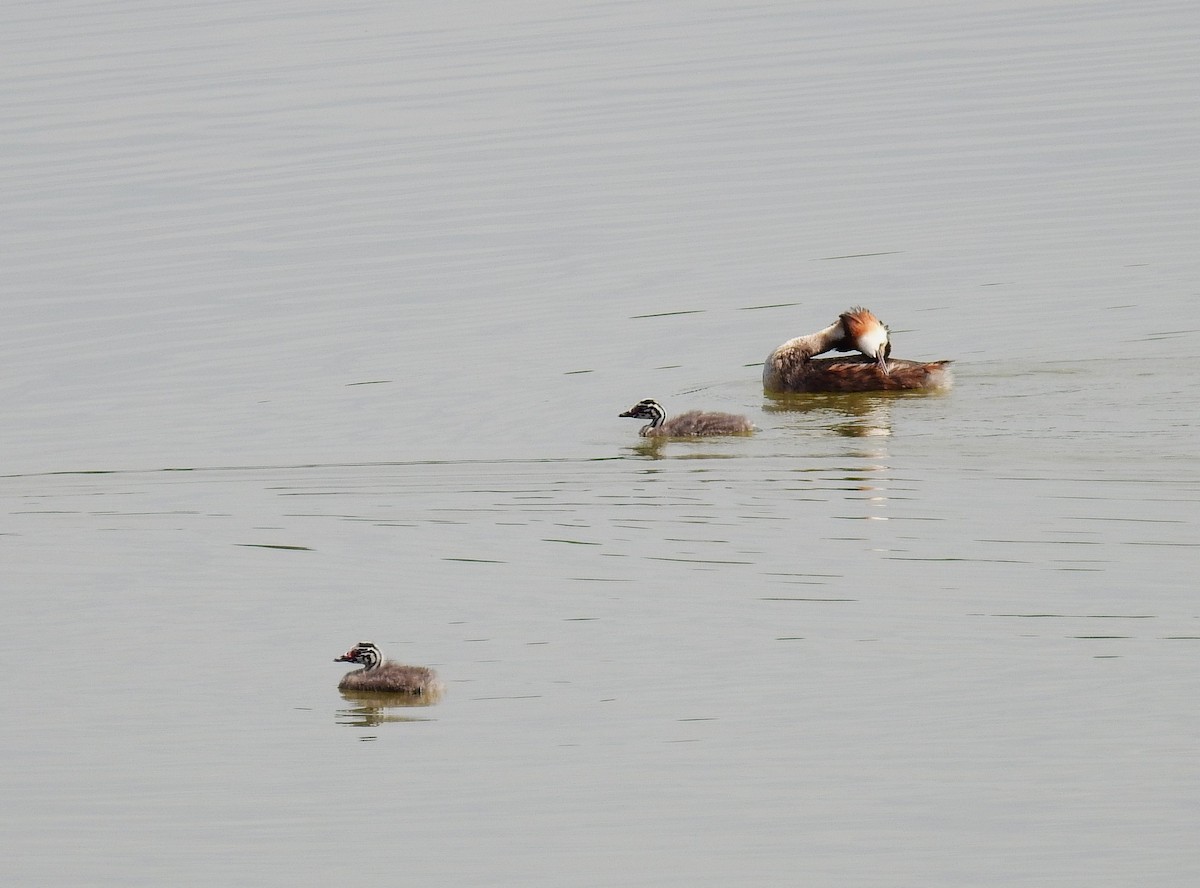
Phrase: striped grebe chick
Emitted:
{"points": [[793, 367], [692, 424], [388, 676]]}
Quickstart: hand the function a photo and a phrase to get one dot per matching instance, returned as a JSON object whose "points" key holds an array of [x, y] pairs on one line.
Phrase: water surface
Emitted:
{"points": [[319, 322]]}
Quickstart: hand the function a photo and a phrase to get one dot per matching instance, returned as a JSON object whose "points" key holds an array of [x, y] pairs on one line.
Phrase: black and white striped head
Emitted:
{"points": [[647, 409], [364, 653]]}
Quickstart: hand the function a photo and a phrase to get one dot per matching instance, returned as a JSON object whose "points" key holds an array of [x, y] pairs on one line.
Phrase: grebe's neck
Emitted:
{"points": [[816, 343]]}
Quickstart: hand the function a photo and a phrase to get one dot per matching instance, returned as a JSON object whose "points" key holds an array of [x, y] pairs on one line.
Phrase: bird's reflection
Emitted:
{"points": [[854, 415], [372, 709], [687, 448]]}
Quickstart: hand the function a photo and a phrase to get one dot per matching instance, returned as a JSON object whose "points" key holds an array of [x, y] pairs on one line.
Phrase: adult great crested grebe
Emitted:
{"points": [[386, 676], [794, 367], [693, 424]]}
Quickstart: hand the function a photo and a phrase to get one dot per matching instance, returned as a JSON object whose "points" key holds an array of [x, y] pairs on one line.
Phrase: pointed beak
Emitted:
{"points": [[626, 413], [881, 360], [347, 657]]}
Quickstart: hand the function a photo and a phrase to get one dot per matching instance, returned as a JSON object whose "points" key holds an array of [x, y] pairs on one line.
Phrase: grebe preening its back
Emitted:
{"points": [[793, 367], [692, 424], [385, 676]]}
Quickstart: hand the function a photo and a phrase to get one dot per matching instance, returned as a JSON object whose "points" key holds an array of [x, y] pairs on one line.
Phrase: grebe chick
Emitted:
{"points": [[383, 675], [692, 424], [793, 366]]}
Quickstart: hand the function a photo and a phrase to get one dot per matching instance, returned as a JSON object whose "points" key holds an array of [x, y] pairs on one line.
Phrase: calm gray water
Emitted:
{"points": [[318, 322]]}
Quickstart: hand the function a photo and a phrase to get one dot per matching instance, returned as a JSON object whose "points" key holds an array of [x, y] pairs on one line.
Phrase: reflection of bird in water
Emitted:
{"points": [[371, 709], [793, 366], [385, 676], [857, 415], [693, 424]]}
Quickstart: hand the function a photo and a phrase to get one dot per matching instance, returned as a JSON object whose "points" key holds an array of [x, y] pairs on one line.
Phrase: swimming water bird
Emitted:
{"points": [[692, 424], [793, 367], [383, 675]]}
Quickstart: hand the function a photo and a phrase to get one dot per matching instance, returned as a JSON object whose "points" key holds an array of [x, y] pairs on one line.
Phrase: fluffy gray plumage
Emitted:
{"points": [[385, 676], [694, 423]]}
